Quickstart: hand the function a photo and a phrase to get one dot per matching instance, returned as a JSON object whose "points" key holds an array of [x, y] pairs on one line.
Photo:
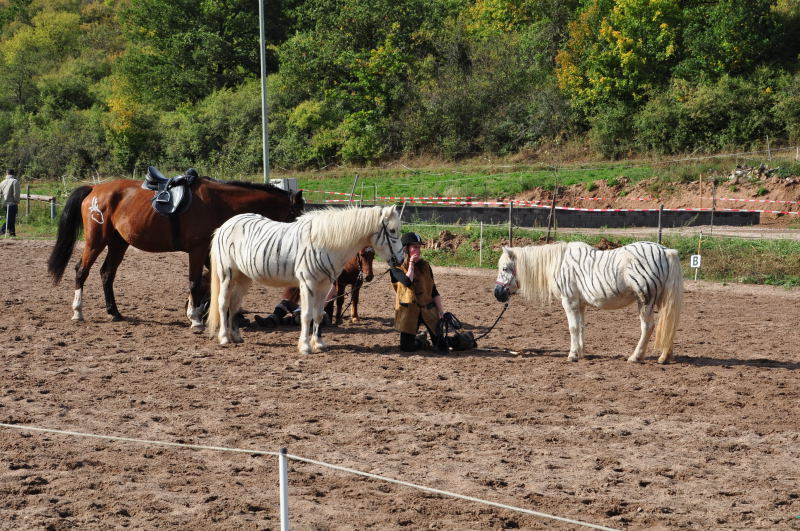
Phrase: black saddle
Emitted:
{"points": [[172, 195]]}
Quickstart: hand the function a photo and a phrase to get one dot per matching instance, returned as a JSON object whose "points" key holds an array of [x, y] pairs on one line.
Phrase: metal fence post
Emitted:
{"points": [[28, 201], [283, 472], [53, 208], [510, 223], [660, 211], [480, 247]]}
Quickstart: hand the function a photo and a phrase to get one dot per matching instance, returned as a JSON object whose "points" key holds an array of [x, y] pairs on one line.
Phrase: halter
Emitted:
{"points": [[513, 276], [385, 232]]}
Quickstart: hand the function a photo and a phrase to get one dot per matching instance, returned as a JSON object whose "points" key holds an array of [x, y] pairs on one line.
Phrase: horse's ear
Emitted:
{"points": [[509, 252], [388, 211], [298, 196]]}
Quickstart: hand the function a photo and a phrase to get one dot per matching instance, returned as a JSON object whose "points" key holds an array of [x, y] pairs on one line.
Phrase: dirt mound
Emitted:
{"points": [[447, 241]]}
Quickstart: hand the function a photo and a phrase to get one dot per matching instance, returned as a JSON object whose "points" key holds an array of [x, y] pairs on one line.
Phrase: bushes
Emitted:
{"points": [[729, 113]]}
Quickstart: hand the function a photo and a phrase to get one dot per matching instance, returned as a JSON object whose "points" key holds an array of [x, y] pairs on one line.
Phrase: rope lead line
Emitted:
{"points": [[309, 461]]}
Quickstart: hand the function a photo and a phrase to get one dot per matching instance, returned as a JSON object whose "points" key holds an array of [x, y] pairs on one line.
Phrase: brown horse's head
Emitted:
{"points": [[365, 258]]}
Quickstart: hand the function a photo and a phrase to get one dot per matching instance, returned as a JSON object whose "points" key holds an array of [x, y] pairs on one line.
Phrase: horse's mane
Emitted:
{"points": [[536, 269], [335, 228], [264, 187]]}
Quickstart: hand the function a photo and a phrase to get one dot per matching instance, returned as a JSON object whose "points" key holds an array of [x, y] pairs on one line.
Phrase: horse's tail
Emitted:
{"points": [[212, 323], [670, 306], [69, 226]]}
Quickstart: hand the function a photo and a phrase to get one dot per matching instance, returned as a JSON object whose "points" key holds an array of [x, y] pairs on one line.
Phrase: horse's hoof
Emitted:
{"points": [[572, 358], [116, 318], [634, 359], [77, 316], [664, 361], [354, 319], [198, 329]]}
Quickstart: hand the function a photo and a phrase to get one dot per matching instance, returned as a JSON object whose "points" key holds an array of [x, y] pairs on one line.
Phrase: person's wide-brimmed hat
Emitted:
{"points": [[410, 238]]}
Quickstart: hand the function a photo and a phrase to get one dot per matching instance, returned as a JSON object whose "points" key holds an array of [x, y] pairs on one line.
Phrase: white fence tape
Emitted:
{"points": [[283, 472]]}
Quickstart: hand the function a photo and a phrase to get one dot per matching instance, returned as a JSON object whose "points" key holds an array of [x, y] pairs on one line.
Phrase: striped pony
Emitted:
{"points": [[645, 272], [309, 253]]}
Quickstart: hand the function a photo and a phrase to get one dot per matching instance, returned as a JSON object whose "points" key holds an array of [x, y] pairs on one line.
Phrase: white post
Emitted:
{"points": [[480, 247], [283, 471], [264, 112]]}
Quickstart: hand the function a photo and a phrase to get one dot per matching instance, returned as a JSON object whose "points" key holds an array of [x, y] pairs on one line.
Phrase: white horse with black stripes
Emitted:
{"points": [[582, 276], [309, 253]]}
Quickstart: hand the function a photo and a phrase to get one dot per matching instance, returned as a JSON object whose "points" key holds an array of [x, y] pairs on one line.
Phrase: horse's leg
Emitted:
{"points": [[646, 320], [108, 271], [241, 286], [354, 301], [317, 307], [574, 313], [197, 259], [305, 318], [224, 305], [91, 251], [340, 289]]}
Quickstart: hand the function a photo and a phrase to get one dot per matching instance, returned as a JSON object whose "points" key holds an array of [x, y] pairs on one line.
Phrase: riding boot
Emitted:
{"points": [[277, 316]]}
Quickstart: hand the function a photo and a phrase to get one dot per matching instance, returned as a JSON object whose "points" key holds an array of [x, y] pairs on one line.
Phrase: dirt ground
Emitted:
{"points": [[711, 441]]}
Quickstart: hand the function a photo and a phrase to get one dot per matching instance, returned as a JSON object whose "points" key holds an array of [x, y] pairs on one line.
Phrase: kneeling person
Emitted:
{"points": [[417, 300]]}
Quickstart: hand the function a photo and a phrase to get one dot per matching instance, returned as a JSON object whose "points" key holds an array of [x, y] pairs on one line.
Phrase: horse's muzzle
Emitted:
{"points": [[501, 293]]}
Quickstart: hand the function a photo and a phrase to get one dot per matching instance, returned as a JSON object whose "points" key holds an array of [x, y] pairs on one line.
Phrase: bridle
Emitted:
{"points": [[384, 231], [513, 277]]}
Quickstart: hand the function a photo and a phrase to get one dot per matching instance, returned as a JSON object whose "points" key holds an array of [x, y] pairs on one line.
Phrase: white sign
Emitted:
{"points": [[695, 261]]}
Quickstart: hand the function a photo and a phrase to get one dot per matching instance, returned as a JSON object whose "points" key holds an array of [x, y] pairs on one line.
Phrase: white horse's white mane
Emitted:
{"points": [[536, 269], [335, 228]]}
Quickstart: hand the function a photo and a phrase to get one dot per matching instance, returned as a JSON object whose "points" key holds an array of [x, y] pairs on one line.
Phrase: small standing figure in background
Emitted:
{"points": [[10, 194], [354, 273]]}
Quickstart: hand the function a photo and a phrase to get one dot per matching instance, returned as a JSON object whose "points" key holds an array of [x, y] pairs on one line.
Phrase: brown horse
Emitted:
{"points": [[353, 274], [118, 213]]}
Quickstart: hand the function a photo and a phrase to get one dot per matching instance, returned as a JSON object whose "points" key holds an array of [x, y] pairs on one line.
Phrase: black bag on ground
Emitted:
{"points": [[460, 340]]}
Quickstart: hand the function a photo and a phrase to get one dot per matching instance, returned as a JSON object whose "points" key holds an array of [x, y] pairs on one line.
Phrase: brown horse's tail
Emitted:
{"points": [[212, 323], [69, 226], [670, 307]]}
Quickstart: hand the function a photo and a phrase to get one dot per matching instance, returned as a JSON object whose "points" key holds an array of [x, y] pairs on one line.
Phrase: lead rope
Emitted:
{"points": [[505, 307]]}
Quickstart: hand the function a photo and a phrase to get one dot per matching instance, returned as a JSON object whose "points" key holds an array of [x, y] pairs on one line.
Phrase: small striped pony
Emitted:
{"points": [[581, 276], [309, 253]]}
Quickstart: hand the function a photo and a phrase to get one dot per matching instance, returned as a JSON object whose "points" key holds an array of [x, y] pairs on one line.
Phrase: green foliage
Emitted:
{"points": [[361, 83], [728, 113]]}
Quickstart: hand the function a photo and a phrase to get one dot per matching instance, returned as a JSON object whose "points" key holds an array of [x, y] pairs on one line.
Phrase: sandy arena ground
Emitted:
{"points": [[711, 441]]}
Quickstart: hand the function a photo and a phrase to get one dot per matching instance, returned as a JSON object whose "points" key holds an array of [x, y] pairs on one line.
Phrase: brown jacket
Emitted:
{"points": [[416, 300]]}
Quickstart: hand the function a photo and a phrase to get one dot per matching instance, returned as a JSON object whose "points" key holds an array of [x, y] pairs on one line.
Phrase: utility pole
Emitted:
{"points": [[264, 112]]}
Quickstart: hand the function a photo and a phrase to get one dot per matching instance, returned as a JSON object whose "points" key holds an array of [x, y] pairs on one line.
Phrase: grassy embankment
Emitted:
{"points": [[775, 262]]}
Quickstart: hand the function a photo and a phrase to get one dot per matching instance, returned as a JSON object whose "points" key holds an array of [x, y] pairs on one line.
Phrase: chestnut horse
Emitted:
{"points": [[118, 213], [358, 269]]}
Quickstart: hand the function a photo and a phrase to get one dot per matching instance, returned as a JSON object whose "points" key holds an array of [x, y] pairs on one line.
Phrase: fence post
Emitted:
{"points": [[769, 151], [660, 211], [28, 201], [713, 204], [510, 223], [353, 190], [480, 247], [283, 471], [53, 208]]}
